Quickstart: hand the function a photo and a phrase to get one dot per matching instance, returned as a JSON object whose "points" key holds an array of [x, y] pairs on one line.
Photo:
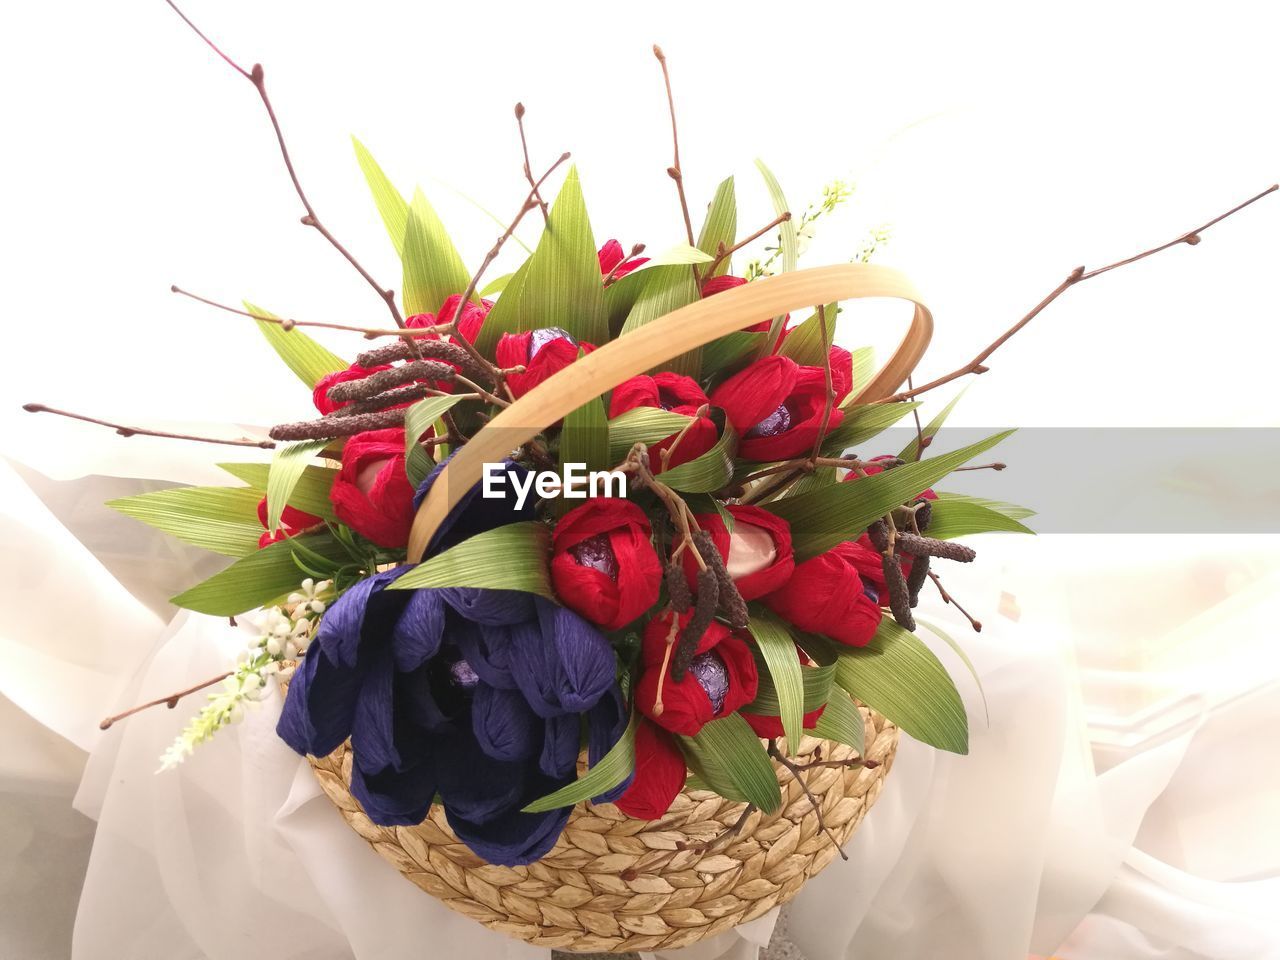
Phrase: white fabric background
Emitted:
{"points": [[1004, 142]]}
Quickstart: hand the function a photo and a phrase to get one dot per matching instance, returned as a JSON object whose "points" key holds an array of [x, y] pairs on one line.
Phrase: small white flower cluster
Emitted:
{"points": [[281, 636]]}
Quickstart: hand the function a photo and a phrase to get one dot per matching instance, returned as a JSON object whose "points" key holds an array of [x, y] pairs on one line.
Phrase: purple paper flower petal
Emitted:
{"points": [[392, 798], [416, 636], [348, 617], [559, 757], [320, 708], [570, 669], [472, 784], [505, 727], [488, 650], [490, 607], [606, 722], [515, 839], [473, 513], [372, 732]]}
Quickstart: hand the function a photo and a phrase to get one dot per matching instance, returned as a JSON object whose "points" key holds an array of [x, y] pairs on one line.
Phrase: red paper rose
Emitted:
{"points": [[614, 260], [826, 595], [757, 553], [541, 352], [371, 493], [777, 406], [722, 678], [469, 323], [659, 777], [320, 395], [674, 392], [603, 565], [292, 522]]}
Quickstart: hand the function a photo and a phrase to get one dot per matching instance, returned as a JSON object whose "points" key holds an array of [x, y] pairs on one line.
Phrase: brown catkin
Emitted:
{"points": [[878, 533], [916, 578], [414, 391], [678, 591], [929, 547], [376, 383], [731, 603], [704, 611], [329, 428], [924, 514], [429, 349], [899, 595]]}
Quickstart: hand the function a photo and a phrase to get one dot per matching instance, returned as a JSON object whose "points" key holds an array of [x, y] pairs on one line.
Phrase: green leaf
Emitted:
{"points": [[1011, 510], [283, 475], [864, 368], [259, 578], [306, 358], [950, 641], [496, 285], [728, 756], [959, 518], [721, 225], [862, 422], [504, 317], [562, 285], [613, 768], [391, 205], [642, 425], [842, 722], [417, 421], [723, 355], [666, 289], [681, 253], [900, 677], [837, 513], [789, 246], [433, 270], [817, 688], [310, 492], [779, 653], [221, 519], [912, 450], [805, 344], [584, 438], [712, 470], [511, 557]]}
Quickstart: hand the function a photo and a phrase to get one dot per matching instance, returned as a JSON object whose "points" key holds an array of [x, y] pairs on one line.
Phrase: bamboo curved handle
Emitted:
{"points": [[653, 344]]}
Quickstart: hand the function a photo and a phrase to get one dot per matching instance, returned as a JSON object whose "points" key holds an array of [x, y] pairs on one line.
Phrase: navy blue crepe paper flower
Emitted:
{"points": [[477, 696]]}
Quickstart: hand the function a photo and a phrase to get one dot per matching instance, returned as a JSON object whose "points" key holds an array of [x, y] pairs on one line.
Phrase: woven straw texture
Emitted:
{"points": [[616, 884]]}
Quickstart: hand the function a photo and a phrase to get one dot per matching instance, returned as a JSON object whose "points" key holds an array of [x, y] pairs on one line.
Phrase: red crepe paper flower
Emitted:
{"points": [[292, 523], [826, 595], [674, 392], [371, 493], [757, 553], [603, 565], [777, 405], [320, 395], [541, 352], [721, 679], [659, 777], [725, 282], [614, 261], [469, 323]]}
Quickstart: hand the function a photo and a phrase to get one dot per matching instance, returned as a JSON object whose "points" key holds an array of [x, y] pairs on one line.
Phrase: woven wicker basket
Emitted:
{"points": [[613, 883]]}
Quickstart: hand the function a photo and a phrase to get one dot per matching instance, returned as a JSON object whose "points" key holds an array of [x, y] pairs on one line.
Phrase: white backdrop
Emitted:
{"points": [[1006, 141]]}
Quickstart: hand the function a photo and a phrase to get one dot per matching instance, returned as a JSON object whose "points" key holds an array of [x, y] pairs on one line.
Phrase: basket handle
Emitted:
{"points": [[655, 343]]}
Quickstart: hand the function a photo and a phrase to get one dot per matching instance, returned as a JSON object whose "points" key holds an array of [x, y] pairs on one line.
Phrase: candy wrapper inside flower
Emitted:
{"points": [[827, 595], [679, 394], [721, 679], [603, 564], [475, 695], [542, 352]]}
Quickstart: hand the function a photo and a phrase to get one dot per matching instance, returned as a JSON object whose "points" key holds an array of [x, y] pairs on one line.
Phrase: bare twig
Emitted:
{"points": [[978, 364], [256, 77], [675, 172], [729, 832], [125, 431], [795, 770], [723, 253], [948, 598], [528, 170], [170, 701]]}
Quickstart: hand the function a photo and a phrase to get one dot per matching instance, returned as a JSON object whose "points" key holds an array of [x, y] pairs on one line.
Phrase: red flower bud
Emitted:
{"points": [[757, 553], [543, 353], [371, 493], [659, 777], [777, 407], [612, 254], [663, 391], [826, 595], [292, 522], [721, 679], [603, 565]]}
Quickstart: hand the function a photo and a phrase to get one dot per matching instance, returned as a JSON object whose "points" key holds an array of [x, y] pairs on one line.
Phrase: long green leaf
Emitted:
{"points": [[961, 518], [805, 344], [584, 438], [496, 285], [721, 225], [864, 368], [666, 289], [307, 359], [680, 254], [817, 689], [789, 243], [722, 356], [900, 677], [642, 425], [862, 422], [417, 421], [950, 641], [841, 721], [392, 207], [728, 756], [504, 316], [713, 469], [930, 430], [614, 767], [310, 493], [284, 473], [511, 557], [260, 577], [1011, 510], [779, 653], [562, 286], [834, 514], [221, 519], [433, 270]]}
